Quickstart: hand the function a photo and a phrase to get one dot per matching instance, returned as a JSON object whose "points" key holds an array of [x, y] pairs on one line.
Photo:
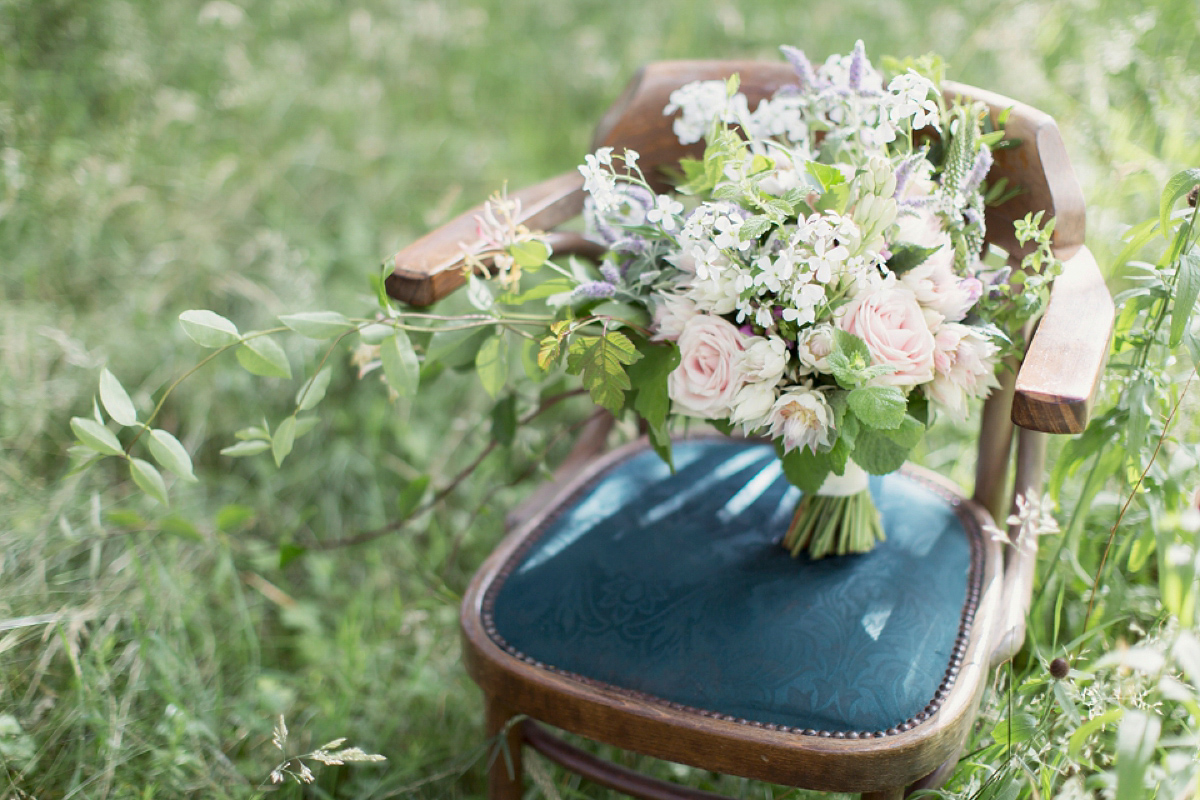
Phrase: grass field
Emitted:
{"points": [[259, 157]]}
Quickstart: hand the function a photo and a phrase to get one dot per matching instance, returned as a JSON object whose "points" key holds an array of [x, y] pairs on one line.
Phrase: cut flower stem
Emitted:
{"points": [[825, 525]]}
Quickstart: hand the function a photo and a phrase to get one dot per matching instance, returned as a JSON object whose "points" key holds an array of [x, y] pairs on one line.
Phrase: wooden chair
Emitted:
{"points": [[653, 612]]}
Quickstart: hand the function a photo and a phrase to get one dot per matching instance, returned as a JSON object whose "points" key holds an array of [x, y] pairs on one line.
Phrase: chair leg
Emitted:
{"points": [[505, 778]]}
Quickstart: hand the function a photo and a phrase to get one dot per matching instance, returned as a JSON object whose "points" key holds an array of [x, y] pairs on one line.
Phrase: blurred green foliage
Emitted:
{"points": [[259, 157]]}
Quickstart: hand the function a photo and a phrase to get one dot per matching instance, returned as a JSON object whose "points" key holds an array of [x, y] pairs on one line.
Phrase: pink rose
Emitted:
{"points": [[965, 368], [707, 378], [889, 319]]}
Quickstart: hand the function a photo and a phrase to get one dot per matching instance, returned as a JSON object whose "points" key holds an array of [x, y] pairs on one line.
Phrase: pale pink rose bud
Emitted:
{"points": [[965, 368], [890, 321], [707, 378], [671, 313], [802, 418], [814, 347], [939, 289], [923, 228]]}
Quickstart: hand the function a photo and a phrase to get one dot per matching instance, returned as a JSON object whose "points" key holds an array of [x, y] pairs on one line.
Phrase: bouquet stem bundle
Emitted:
{"points": [[827, 525]]}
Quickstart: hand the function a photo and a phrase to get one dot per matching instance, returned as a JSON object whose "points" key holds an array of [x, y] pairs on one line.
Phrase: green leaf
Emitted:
{"points": [[282, 441], [850, 360], [491, 362], [171, 454], [400, 364], [313, 390], [262, 355], [305, 424], [410, 498], [233, 516], [125, 518], [827, 176], [529, 255], [601, 361], [289, 552], [1021, 727], [504, 420], [882, 407], [1137, 738], [906, 256], [648, 377], [376, 332], [803, 468], [541, 291], [1180, 184], [176, 525], [248, 448], [148, 480], [1080, 736], [881, 452], [754, 228], [116, 400], [1187, 289], [96, 437], [208, 329], [458, 348], [317, 324]]}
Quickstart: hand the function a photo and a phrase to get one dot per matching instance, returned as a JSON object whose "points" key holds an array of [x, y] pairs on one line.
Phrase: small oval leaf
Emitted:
{"points": [[243, 449], [208, 329], [96, 437], [376, 332], [491, 362], [148, 480], [313, 390], [317, 324], [116, 400], [261, 355], [282, 441], [400, 364], [171, 454]]}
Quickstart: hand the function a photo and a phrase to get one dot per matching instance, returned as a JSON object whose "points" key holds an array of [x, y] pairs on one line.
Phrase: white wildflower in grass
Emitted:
{"points": [[1034, 517], [330, 754]]}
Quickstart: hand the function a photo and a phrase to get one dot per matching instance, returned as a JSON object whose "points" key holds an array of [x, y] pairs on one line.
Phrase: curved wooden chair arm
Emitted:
{"points": [[1066, 358], [430, 268]]}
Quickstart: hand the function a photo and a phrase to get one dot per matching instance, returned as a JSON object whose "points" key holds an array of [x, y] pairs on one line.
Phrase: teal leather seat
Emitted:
{"points": [[674, 587]]}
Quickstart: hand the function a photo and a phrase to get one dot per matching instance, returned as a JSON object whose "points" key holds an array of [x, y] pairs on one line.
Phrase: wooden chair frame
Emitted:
{"points": [[1051, 393]]}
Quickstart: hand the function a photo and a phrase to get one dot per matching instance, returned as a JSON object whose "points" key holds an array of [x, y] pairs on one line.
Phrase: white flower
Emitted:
{"points": [[752, 406], [964, 368], [700, 102], [764, 359], [913, 101], [599, 182], [801, 417], [671, 314], [666, 208]]}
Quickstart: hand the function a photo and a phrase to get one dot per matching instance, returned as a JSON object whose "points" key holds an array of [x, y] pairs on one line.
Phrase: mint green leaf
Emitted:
{"points": [[96, 437], [601, 361], [529, 255], [116, 400], [906, 256], [850, 360], [881, 452], [148, 480], [208, 329], [262, 355], [376, 332], [282, 441], [803, 468], [754, 227], [171, 454], [248, 448], [648, 376], [317, 324], [491, 362], [313, 390], [827, 176], [1180, 184], [410, 498], [1187, 289], [880, 407]]}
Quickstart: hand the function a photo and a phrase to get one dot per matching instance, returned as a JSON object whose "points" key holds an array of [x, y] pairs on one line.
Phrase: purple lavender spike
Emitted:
{"points": [[610, 273], [802, 66], [983, 162], [857, 61], [594, 290]]}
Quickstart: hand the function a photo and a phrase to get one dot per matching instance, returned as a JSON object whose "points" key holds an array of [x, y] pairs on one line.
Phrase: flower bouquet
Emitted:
{"points": [[815, 279]]}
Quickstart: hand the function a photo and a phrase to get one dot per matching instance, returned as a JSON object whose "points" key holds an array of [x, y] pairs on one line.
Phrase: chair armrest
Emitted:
{"points": [[1065, 360], [431, 267]]}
